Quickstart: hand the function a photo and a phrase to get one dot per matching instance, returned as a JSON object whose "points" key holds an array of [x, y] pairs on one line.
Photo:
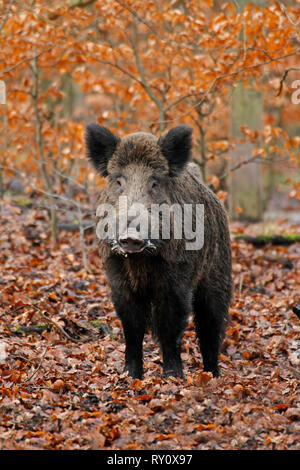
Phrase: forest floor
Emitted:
{"points": [[62, 349]]}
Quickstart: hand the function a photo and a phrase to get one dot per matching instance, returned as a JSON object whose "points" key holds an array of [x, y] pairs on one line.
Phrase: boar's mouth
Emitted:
{"points": [[129, 246]]}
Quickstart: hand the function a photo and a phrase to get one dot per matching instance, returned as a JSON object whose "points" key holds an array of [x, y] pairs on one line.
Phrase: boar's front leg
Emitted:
{"points": [[132, 314], [169, 320]]}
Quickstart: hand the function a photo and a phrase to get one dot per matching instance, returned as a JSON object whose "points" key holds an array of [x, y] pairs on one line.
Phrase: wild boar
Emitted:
{"points": [[157, 281]]}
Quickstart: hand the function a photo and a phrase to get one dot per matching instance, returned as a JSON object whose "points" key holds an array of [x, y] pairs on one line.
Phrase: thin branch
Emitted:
{"points": [[147, 88], [57, 326], [294, 23], [283, 78], [39, 364], [82, 242], [26, 59], [140, 66], [118, 67], [141, 20], [240, 9], [81, 227], [6, 15], [239, 165], [224, 76], [182, 98], [151, 28], [81, 3], [63, 198], [39, 143]]}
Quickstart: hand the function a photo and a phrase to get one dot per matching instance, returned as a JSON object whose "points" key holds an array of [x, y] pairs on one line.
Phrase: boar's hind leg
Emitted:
{"points": [[133, 317], [169, 321], [210, 315]]}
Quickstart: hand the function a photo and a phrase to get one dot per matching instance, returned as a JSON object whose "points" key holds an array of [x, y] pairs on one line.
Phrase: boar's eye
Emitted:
{"points": [[117, 180], [153, 185]]}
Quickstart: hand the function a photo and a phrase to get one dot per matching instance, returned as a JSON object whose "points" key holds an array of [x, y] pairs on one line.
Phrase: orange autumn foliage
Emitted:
{"points": [[141, 64]]}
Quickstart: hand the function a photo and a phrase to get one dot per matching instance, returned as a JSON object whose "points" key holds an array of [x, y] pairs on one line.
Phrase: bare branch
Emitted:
{"points": [[6, 15], [152, 29], [81, 3], [294, 23], [221, 77], [147, 88], [284, 76], [140, 66], [182, 98], [118, 67], [56, 325], [239, 165], [39, 364], [39, 143], [141, 20], [26, 59]]}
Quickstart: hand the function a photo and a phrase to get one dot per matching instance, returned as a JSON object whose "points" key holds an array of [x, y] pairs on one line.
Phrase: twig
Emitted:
{"points": [[221, 77], [81, 4], [291, 368], [117, 66], [39, 364], [57, 326], [140, 68], [83, 248], [241, 284], [69, 227], [69, 178], [238, 166], [6, 15], [21, 358], [284, 77], [62, 198], [284, 10], [141, 20], [26, 59], [239, 9], [15, 310]]}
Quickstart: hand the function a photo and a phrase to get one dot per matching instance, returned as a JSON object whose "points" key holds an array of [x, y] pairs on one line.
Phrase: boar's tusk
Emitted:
{"points": [[116, 248], [150, 245]]}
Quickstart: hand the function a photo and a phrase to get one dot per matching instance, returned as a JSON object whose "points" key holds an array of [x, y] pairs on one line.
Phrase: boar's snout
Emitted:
{"points": [[131, 244]]}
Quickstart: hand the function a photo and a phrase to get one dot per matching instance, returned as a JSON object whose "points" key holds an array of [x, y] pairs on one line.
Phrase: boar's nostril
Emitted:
{"points": [[131, 245]]}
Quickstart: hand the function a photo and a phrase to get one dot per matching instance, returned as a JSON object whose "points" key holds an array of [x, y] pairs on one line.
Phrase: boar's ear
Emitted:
{"points": [[176, 146], [100, 144]]}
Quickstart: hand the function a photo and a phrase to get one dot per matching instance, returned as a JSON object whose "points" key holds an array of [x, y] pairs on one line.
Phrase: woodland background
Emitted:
{"points": [[231, 70]]}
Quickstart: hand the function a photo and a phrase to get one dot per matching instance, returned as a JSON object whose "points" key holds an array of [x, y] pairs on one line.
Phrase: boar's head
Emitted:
{"points": [[140, 169]]}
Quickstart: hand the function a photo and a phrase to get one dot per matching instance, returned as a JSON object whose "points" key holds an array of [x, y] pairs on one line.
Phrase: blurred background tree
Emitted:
{"points": [[225, 68]]}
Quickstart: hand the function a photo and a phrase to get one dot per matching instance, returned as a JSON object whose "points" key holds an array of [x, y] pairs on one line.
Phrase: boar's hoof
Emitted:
{"points": [[173, 373], [134, 372]]}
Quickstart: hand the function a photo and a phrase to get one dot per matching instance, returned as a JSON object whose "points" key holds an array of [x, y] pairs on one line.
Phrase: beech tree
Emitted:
{"points": [[149, 65]]}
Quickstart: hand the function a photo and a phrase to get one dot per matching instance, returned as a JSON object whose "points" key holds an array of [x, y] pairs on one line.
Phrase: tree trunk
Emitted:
{"points": [[246, 185]]}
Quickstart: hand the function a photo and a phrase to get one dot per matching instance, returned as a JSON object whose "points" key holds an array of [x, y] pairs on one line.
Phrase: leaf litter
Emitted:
{"points": [[63, 387]]}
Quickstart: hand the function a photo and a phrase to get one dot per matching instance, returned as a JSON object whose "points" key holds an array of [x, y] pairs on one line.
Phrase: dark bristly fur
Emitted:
{"points": [[100, 144], [159, 289], [176, 146]]}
